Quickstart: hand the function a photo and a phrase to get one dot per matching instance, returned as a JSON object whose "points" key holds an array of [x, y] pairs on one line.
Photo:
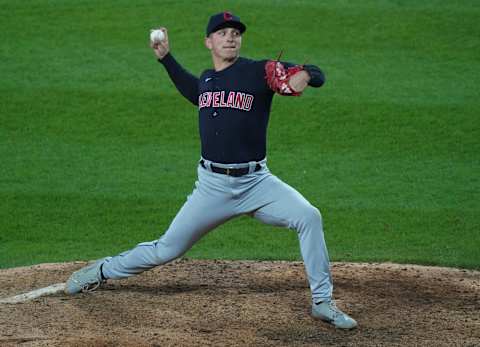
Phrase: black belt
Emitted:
{"points": [[231, 172]]}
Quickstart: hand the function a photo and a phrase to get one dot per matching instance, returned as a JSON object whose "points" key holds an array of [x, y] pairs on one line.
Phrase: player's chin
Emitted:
{"points": [[230, 54]]}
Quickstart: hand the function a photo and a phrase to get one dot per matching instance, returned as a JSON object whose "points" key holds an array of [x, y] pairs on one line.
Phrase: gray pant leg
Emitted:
{"points": [[281, 205], [206, 208]]}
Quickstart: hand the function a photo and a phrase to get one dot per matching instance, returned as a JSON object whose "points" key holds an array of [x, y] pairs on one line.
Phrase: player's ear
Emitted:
{"points": [[208, 42]]}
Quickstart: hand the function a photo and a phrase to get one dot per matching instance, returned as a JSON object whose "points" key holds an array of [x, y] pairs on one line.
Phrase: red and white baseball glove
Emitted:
{"points": [[278, 77]]}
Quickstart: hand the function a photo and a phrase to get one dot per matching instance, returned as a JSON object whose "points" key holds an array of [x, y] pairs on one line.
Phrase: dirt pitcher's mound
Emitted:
{"points": [[243, 303]]}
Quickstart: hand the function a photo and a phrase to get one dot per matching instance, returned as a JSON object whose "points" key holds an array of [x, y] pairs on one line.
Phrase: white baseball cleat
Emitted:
{"points": [[87, 279], [328, 312]]}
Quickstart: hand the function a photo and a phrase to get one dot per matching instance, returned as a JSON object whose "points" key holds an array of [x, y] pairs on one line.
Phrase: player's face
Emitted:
{"points": [[225, 43]]}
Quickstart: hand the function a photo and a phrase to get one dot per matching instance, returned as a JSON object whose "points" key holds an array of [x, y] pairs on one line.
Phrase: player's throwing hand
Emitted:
{"points": [[162, 47]]}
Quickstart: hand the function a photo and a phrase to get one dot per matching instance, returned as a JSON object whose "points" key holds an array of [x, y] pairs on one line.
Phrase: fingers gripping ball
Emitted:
{"points": [[278, 77], [157, 36]]}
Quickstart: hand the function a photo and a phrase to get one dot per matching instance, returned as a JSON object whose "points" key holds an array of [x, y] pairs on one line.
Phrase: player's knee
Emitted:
{"points": [[310, 217], [166, 253], [314, 215], [170, 255]]}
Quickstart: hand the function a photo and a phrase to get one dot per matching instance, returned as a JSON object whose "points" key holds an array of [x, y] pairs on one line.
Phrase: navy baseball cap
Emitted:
{"points": [[224, 20]]}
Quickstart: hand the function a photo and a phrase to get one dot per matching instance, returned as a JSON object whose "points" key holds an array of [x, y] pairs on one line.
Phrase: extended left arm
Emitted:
{"points": [[309, 76], [290, 79]]}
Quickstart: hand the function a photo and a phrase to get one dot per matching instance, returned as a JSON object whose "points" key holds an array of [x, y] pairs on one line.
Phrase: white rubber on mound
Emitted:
{"points": [[53, 289]]}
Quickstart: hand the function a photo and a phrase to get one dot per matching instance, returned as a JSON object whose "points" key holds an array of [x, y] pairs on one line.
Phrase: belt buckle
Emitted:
{"points": [[228, 171]]}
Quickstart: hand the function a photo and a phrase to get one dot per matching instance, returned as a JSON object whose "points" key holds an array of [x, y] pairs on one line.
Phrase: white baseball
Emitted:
{"points": [[156, 35]]}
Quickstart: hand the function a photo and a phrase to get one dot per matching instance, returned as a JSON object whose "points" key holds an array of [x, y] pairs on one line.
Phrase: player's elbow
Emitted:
{"points": [[318, 81], [317, 77], [322, 80]]}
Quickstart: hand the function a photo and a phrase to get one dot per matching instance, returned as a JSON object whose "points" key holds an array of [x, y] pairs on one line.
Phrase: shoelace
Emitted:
{"points": [[90, 287], [333, 306]]}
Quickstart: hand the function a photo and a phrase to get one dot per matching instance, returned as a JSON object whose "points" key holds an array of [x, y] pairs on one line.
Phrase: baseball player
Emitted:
{"points": [[233, 100]]}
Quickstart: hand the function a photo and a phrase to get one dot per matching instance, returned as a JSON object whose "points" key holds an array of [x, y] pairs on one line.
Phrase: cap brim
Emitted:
{"points": [[231, 24]]}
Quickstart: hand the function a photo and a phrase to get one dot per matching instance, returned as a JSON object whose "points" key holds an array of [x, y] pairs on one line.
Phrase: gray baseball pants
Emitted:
{"points": [[217, 198]]}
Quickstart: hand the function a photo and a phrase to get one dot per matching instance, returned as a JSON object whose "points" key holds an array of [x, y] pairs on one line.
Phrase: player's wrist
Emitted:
{"points": [[164, 58], [305, 76]]}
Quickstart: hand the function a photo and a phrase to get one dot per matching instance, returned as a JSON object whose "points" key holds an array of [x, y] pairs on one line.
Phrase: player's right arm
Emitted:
{"points": [[186, 83]]}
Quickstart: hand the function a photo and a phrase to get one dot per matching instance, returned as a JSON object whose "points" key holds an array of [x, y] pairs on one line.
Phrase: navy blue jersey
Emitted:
{"points": [[234, 107]]}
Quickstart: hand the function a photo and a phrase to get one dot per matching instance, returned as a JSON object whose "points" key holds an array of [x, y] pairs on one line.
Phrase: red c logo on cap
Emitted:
{"points": [[227, 16]]}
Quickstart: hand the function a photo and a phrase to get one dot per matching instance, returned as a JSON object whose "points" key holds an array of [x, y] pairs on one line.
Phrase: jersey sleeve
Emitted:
{"points": [[185, 82], [317, 77]]}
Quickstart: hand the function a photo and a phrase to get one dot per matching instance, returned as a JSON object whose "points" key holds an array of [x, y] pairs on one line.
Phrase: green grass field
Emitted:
{"points": [[98, 150]]}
